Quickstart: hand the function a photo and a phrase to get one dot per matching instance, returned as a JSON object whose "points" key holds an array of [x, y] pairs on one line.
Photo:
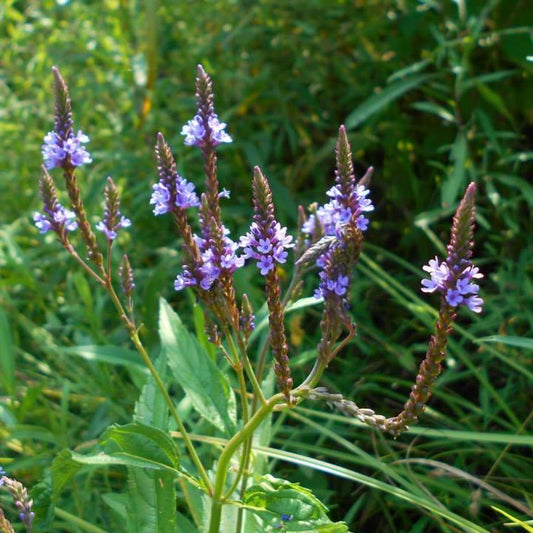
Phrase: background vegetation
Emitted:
{"points": [[435, 94]]}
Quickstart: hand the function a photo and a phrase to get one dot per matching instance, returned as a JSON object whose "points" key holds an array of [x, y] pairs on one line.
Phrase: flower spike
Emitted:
{"points": [[113, 219], [267, 243], [61, 147], [453, 279]]}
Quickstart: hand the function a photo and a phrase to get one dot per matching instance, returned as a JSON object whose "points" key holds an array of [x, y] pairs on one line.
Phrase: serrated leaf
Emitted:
{"points": [[151, 496], [200, 378], [41, 495], [279, 503], [378, 101], [64, 468], [142, 445]]}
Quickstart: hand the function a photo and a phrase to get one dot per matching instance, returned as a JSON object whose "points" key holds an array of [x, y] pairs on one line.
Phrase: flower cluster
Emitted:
{"points": [[109, 229], [213, 263], [340, 210], [455, 283], [21, 498], [166, 196], [343, 217], [59, 152], [267, 244], [58, 219], [195, 131]]}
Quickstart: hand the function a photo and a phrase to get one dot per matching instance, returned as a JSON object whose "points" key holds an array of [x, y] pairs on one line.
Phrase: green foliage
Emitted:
{"points": [[288, 505], [435, 94], [205, 385]]}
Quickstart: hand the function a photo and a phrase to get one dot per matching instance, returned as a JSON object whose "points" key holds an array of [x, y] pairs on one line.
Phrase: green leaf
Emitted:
{"points": [[455, 182], [514, 520], [141, 445], [7, 355], [191, 366], [380, 100], [112, 355], [64, 468], [435, 109], [43, 507], [519, 342], [151, 496], [495, 100], [279, 503]]}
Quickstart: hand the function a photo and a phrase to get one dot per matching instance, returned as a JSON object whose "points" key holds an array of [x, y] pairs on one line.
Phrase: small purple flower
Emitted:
{"points": [[113, 219], [455, 283], [266, 246], [183, 280], [185, 196], [56, 151], [340, 210], [345, 210], [110, 231], [195, 133], [224, 193], [213, 263], [61, 219]]}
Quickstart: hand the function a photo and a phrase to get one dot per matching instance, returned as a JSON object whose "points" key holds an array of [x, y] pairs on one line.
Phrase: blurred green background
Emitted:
{"points": [[434, 94]]}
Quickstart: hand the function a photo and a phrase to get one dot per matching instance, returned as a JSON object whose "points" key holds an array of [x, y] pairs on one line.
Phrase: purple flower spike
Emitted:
{"points": [[111, 231], [196, 135], [185, 196], [455, 284], [454, 277], [113, 218], [59, 220], [340, 210], [266, 244], [58, 152]]}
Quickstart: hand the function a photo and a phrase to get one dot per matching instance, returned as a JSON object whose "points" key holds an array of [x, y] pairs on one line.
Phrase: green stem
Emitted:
{"points": [[224, 461], [258, 392], [70, 249], [78, 522], [134, 335]]}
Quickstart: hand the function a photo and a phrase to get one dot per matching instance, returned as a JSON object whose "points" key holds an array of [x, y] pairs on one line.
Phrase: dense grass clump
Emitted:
{"points": [[434, 95]]}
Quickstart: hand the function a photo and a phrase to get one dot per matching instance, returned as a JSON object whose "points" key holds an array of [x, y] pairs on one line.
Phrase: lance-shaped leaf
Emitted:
{"points": [[191, 366]]}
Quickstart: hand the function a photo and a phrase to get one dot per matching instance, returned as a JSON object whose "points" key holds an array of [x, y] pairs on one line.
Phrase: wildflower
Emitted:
{"points": [[196, 134], [343, 217], [344, 207], [267, 244], [247, 317], [54, 217], [21, 498], [457, 286], [213, 263], [171, 192], [58, 219], [113, 219], [59, 152]]}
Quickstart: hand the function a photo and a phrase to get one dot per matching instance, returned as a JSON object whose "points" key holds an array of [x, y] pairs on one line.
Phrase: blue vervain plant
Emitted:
{"points": [[329, 239]]}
